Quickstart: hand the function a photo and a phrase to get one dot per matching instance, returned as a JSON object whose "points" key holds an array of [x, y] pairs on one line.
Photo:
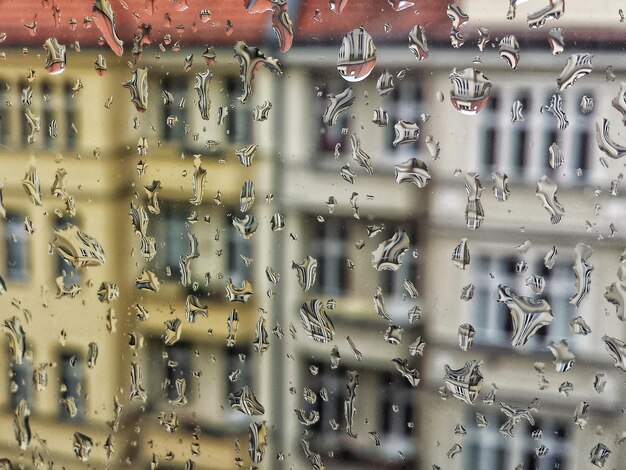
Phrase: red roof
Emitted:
{"points": [[52, 19], [372, 15]]}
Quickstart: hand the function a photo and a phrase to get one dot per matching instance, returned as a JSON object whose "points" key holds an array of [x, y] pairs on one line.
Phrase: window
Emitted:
{"points": [[70, 116], [330, 383], [330, 247], [170, 229], [236, 374], [26, 95], [487, 448], [236, 248], [238, 122], [521, 149], [331, 136], [174, 117], [177, 367], [20, 386], [492, 320], [5, 114], [72, 379], [48, 123], [404, 102], [16, 246], [396, 406], [70, 274], [391, 416]]}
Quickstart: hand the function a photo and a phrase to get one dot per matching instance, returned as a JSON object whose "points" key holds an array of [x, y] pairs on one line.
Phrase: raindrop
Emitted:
{"points": [[357, 55], [138, 87], [577, 66], [556, 40], [546, 192], [316, 322], [464, 383], [55, 60], [338, 104], [528, 314], [250, 61], [412, 171], [306, 271], [103, 16], [470, 90], [417, 43]]}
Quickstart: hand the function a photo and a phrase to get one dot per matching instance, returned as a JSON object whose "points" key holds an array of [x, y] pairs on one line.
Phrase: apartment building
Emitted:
{"points": [[174, 356]]}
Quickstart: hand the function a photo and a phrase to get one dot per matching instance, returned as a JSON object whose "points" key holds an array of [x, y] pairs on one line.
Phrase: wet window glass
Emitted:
{"points": [[292, 234]]}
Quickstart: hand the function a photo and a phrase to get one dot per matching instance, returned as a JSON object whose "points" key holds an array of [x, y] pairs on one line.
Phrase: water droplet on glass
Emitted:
{"points": [[412, 171], [599, 382], [347, 174], [513, 416], [21, 424], [416, 348], [466, 335], [617, 350], [461, 254], [464, 383], [393, 334], [399, 5], [385, 83], [483, 38], [82, 446], [337, 104], [405, 132], [455, 450], [552, 11], [77, 248], [581, 414], [357, 55], [509, 50], [474, 213], [556, 40], [262, 111], [516, 112], [418, 44], [388, 256], [138, 86], [316, 322], [599, 455], [194, 308], [55, 59], [147, 280], [246, 227], [203, 80], [470, 90], [556, 158], [577, 66], [546, 192], [245, 401], [500, 186], [306, 270], [251, 59], [456, 15], [246, 155], [527, 314], [556, 109], [564, 358], [102, 14], [238, 293], [257, 440], [582, 271], [337, 6]]}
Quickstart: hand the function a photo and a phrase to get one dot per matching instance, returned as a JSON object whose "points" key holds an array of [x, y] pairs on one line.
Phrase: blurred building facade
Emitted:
{"points": [[113, 155]]}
